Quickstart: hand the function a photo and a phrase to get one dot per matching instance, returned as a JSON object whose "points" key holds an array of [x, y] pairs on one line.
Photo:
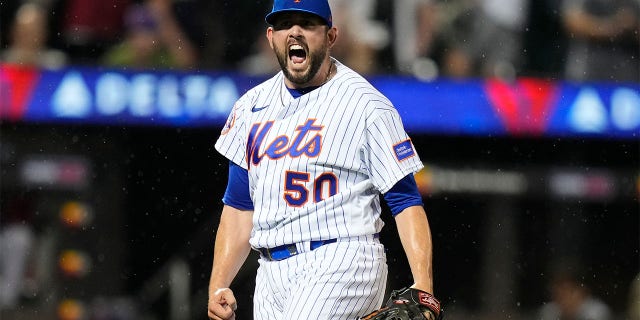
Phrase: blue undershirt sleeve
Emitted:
{"points": [[237, 194], [403, 194]]}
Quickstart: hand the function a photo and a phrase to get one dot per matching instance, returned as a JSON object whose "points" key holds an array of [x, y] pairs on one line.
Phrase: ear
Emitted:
{"points": [[332, 36], [270, 36]]}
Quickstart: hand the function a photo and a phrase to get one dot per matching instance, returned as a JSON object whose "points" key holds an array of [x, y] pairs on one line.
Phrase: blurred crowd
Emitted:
{"points": [[578, 40]]}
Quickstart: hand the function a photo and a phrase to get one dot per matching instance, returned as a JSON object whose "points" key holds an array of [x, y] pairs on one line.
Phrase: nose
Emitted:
{"points": [[295, 31]]}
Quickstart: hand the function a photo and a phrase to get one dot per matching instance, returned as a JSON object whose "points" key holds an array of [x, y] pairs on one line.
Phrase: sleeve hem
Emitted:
{"points": [[399, 175]]}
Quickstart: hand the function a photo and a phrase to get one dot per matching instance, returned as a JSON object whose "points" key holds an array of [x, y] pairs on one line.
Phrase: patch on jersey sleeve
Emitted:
{"points": [[230, 121], [404, 150]]}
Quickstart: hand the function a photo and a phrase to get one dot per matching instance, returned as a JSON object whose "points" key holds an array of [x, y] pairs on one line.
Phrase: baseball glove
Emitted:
{"points": [[408, 304]]}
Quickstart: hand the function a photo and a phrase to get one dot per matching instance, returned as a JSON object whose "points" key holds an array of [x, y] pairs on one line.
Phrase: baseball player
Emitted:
{"points": [[310, 150]]}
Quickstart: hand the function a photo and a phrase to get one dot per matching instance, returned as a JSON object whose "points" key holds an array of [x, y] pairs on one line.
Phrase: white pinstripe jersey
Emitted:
{"points": [[317, 162]]}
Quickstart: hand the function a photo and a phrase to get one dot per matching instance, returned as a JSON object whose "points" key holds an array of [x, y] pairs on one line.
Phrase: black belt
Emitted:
{"points": [[289, 250]]}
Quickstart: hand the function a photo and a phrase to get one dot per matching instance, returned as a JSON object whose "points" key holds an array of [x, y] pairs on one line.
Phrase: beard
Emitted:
{"points": [[315, 59]]}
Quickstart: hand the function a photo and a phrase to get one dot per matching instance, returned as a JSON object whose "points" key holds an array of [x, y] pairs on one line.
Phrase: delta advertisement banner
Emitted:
{"points": [[478, 107]]}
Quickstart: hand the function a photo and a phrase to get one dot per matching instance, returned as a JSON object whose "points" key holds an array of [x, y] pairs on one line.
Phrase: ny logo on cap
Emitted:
{"points": [[296, 1]]}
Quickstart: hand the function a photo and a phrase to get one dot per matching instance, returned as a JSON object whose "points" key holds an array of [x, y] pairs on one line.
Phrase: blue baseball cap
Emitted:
{"points": [[319, 8]]}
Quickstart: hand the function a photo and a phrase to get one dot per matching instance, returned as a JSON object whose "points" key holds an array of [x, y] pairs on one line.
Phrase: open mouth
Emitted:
{"points": [[297, 54]]}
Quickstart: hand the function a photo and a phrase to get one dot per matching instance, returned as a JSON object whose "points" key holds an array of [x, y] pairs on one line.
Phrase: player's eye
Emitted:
{"points": [[307, 23], [282, 24]]}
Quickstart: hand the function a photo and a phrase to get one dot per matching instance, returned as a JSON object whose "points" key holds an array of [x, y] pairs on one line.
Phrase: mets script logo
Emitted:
{"points": [[307, 141]]}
